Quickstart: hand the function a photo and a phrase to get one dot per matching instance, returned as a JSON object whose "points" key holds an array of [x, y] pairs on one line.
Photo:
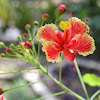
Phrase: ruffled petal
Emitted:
{"points": [[65, 25], [85, 45], [52, 53], [47, 32], [68, 55], [78, 26]]}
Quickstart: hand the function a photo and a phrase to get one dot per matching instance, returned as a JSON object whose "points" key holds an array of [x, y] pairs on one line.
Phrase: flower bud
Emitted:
{"points": [[61, 9], [2, 55], [27, 26], [36, 22], [45, 17], [27, 45], [19, 37], [12, 45], [1, 91], [24, 35], [1, 44], [8, 50], [19, 49]]}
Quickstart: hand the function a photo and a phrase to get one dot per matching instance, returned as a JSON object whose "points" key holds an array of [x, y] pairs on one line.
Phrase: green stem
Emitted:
{"points": [[39, 42], [33, 32], [42, 22], [95, 94], [32, 53], [33, 49], [15, 59], [47, 66], [59, 93], [60, 84], [38, 50], [18, 71], [33, 46], [5, 47], [29, 33], [57, 18], [60, 71], [81, 80], [18, 54], [26, 85]]}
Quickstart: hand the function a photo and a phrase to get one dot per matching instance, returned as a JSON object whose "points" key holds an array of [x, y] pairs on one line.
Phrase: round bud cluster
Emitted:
{"points": [[61, 9], [45, 17], [36, 22], [24, 35], [27, 26], [27, 45], [8, 50]]}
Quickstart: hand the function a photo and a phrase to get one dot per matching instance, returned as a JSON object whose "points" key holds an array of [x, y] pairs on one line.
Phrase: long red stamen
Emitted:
{"points": [[91, 32], [71, 20], [85, 24], [70, 13], [71, 16], [86, 21]]}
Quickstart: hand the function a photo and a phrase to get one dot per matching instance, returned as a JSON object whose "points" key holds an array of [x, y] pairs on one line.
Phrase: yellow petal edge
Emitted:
{"points": [[40, 31], [45, 45]]}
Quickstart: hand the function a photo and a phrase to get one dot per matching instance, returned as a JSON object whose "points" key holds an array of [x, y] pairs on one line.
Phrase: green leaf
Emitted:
{"points": [[91, 79]]}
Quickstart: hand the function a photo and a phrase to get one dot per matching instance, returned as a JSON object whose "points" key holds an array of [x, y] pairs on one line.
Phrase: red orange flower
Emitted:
{"points": [[74, 38]]}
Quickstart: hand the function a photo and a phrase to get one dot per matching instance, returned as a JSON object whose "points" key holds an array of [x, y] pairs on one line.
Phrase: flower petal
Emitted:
{"points": [[59, 38], [68, 55], [47, 32], [64, 25], [52, 53], [67, 35], [85, 45], [78, 26]]}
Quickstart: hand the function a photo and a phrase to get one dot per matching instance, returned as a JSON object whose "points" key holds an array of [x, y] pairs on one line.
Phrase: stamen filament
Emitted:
{"points": [[91, 32]]}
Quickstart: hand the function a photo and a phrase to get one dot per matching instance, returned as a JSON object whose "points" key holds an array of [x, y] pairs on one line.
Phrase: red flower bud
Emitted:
{"points": [[27, 45], [45, 16], [2, 55], [8, 50], [27, 26], [61, 9], [1, 91], [24, 35], [35, 22]]}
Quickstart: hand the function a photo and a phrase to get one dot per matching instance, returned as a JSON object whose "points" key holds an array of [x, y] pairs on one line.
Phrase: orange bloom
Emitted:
{"points": [[74, 38]]}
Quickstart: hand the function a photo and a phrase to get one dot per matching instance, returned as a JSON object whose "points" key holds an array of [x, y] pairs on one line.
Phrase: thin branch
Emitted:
{"points": [[59, 93], [95, 94]]}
